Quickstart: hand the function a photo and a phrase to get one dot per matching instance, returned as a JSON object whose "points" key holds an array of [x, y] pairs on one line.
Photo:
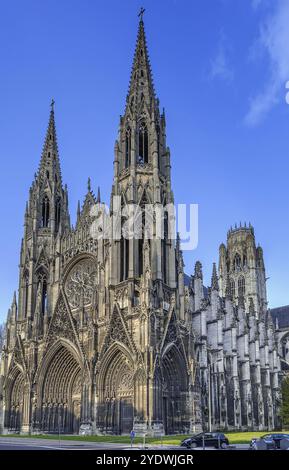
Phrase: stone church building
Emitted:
{"points": [[110, 334]]}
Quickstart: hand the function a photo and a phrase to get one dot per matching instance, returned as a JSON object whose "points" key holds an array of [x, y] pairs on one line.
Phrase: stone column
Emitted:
{"points": [[26, 410]]}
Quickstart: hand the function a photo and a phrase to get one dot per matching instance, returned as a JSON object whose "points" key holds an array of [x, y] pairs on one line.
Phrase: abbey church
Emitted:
{"points": [[109, 334]]}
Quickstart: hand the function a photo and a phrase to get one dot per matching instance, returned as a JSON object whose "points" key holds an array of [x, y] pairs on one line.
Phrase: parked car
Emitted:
{"points": [[272, 441], [209, 439]]}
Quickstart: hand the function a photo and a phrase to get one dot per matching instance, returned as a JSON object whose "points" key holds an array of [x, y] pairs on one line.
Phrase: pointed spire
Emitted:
{"points": [[14, 308], [49, 164], [215, 283], [141, 82], [89, 184], [98, 195]]}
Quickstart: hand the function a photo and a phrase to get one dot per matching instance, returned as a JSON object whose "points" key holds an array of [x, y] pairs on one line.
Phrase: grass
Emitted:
{"points": [[234, 438]]}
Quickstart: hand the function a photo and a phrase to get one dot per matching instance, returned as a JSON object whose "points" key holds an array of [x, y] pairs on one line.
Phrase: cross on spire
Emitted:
{"points": [[141, 13]]}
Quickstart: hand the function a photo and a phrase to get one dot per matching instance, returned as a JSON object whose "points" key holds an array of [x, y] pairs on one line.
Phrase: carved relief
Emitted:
{"points": [[61, 323]]}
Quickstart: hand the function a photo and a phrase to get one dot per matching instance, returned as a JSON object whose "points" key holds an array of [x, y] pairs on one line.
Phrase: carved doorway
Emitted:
{"points": [[116, 409], [60, 394], [15, 396]]}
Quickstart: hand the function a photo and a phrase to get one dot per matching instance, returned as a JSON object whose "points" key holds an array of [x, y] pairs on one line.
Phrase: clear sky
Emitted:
{"points": [[220, 68]]}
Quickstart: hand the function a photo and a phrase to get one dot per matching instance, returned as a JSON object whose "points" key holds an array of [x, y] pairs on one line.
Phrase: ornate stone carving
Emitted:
{"points": [[116, 332], [126, 381], [61, 325]]}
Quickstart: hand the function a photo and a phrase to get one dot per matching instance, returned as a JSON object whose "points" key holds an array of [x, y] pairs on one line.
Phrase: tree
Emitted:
{"points": [[285, 402]]}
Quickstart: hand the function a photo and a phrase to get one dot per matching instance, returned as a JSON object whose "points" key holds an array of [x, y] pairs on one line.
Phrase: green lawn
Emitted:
{"points": [[234, 438]]}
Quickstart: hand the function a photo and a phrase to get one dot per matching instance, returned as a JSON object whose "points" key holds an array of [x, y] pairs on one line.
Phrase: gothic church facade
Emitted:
{"points": [[111, 334]]}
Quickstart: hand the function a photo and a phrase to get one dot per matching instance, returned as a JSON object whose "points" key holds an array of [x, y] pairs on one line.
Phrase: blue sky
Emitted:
{"points": [[220, 68]]}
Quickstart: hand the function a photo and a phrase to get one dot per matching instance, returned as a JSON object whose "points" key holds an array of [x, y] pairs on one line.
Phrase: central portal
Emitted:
{"points": [[116, 405]]}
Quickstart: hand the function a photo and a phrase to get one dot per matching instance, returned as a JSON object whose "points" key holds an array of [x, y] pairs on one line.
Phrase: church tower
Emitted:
{"points": [[146, 276], [46, 219], [142, 176], [242, 269]]}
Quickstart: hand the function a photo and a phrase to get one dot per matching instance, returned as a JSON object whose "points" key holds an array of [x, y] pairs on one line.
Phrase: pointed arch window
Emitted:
{"points": [[141, 244], [158, 146], [237, 262], [241, 286], [124, 252], [164, 246], [25, 300], [143, 144], [57, 213], [42, 291], [127, 147], [45, 212], [232, 288], [144, 228], [44, 296]]}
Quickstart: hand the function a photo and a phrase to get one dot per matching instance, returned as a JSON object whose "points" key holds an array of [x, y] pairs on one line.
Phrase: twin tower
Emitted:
{"points": [[107, 334]]}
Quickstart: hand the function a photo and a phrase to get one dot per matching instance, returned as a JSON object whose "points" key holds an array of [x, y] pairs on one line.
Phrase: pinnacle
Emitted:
{"points": [[198, 270], [49, 164], [228, 288], [215, 282]]}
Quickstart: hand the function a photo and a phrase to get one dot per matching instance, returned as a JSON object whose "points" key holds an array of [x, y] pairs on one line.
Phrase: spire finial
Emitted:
{"points": [[89, 184], [141, 13], [52, 105], [98, 195]]}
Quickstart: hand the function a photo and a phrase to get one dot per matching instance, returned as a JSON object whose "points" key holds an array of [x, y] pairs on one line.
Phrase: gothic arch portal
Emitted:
{"points": [[14, 391], [59, 391], [174, 389], [116, 391]]}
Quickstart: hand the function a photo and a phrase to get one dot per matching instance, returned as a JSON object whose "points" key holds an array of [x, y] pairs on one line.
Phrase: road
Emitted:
{"points": [[22, 443]]}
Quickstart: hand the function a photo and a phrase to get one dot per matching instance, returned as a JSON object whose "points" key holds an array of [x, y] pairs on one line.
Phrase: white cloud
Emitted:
{"points": [[220, 66], [274, 41]]}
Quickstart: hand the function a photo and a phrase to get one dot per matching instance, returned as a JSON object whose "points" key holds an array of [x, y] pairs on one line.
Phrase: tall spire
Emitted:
{"points": [[49, 164], [141, 82]]}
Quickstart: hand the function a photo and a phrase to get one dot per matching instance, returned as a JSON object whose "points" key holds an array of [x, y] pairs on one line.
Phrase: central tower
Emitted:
{"points": [[142, 175]]}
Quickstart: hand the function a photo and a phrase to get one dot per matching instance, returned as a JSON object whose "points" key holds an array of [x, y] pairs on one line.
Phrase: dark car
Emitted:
{"points": [[207, 439], [272, 441]]}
